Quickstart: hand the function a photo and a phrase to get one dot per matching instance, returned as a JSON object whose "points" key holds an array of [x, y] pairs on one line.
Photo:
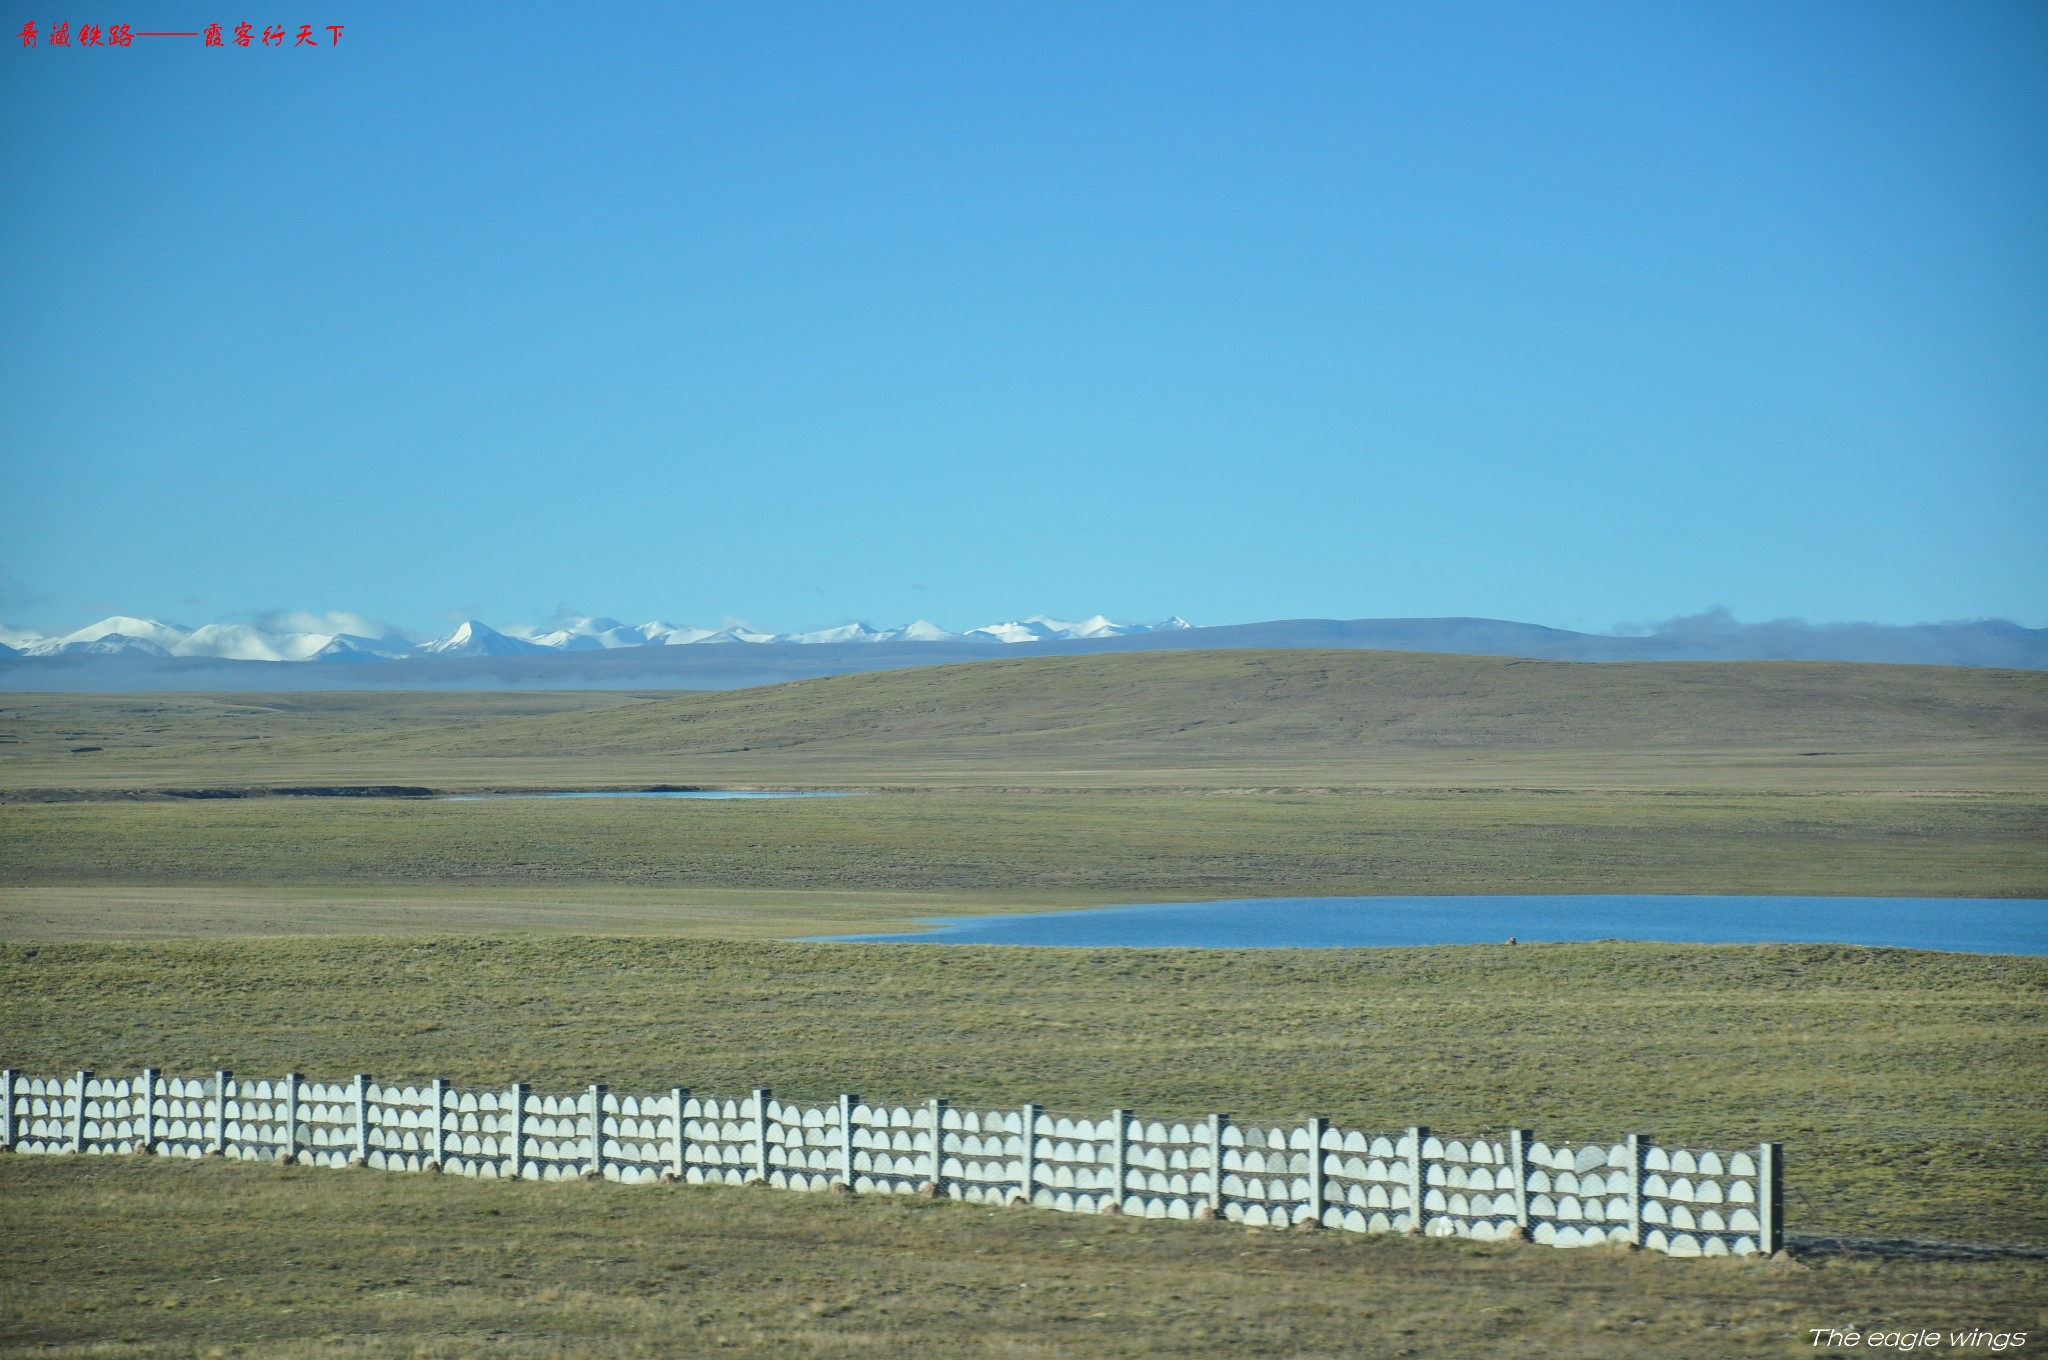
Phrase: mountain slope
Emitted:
{"points": [[473, 637], [99, 645], [347, 648]]}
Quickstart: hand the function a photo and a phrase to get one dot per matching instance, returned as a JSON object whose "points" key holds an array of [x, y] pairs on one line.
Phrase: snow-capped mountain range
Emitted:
{"points": [[352, 638]]}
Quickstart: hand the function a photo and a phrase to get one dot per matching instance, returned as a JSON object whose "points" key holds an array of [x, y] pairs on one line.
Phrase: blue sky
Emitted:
{"points": [[1577, 314]]}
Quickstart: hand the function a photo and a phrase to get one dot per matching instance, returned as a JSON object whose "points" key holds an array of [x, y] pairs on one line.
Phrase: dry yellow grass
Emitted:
{"points": [[102, 1257]]}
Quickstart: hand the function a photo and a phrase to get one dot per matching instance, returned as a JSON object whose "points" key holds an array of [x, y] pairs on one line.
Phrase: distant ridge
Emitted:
{"points": [[1711, 637], [599, 656]]}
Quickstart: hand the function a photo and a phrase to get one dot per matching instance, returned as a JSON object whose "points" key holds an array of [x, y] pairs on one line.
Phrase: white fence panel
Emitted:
{"points": [[1679, 1201]]}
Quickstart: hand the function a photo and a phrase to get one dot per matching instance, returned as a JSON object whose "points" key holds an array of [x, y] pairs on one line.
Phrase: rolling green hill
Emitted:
{"points": [[1205, 719]]}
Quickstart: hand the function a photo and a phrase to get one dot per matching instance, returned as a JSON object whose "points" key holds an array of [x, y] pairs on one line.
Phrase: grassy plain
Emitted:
{"points": [[493, 941], [1040, 782], [1911, 1088], [216, 911], [963, 851], [1205, 720], [202, 1259]]}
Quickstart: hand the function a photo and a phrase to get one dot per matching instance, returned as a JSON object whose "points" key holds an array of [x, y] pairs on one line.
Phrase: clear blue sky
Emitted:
{"points": [[1575, 314]]}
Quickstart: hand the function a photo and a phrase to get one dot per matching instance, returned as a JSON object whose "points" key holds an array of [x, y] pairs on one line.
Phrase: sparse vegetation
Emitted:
{"points": [[1165, 720], [107, 1257], [561, 942], [1064, 847]]}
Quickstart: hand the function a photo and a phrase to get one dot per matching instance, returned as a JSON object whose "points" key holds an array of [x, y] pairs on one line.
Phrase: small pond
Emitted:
{"points": [[1962, 924]]}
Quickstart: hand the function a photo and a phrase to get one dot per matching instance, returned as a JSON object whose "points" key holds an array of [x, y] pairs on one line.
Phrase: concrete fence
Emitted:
{"points": [[1681, 1201]]}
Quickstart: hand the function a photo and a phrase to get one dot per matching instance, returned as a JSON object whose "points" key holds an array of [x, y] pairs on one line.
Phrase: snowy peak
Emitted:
{"points": [[165, 635], [346, 637], [923, 630], [124, 629], [473, 637], [1039, 628], [846, 632], [587, 634], [240, 642], [1006, 632], [668, 635], [347, 647], [739, 632], [103, 644]]}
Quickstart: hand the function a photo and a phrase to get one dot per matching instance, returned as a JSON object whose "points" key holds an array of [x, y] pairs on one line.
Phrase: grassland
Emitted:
{"points": [[1912, 1089], [203, 1259], [634, 942], [193, 911], [1168, 720], [1064, 781], [969, 851]]}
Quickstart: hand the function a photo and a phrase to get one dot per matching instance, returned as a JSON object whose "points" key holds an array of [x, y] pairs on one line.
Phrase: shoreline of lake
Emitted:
{"points": [[1958, 925]]}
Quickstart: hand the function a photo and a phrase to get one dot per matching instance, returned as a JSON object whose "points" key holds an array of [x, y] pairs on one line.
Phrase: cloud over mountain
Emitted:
{"points": [[346, 637]]}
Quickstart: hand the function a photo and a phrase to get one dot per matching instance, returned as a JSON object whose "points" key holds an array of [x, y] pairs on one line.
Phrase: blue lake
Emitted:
{"points": [[1962, 924], [648, 793]]}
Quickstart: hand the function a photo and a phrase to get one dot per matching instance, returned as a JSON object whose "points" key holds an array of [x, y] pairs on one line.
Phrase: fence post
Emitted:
{"points": [[1770, 1197], [1217, 1123], [78, 1114], [291, 1117], [440, 1116], [1418, 1179], [362, 1098], [761, 1098], [7, 1076], [1638, 1145], [217, 1142], [518, 1132], [1518, 1156], [678, 1094], [1027, 1176], [126, 1116], [847, 1101], [596, 1166], [1121, 1157], [938, 1108], [1316, 1204], [230, 1085], [145, 1127]]}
